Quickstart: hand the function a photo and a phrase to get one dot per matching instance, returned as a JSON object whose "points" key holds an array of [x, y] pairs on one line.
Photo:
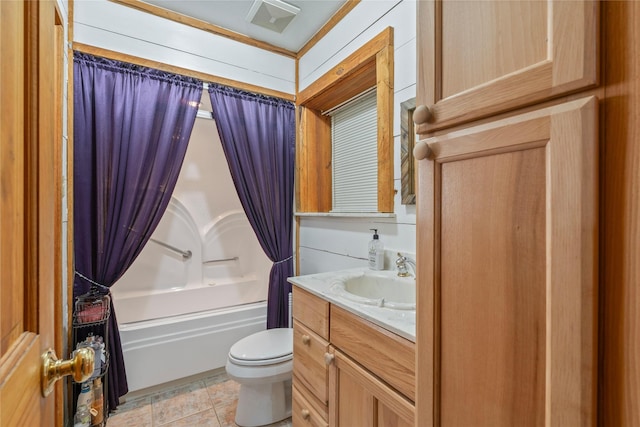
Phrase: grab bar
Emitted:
{"points": [[185, 254], [235, 258]]}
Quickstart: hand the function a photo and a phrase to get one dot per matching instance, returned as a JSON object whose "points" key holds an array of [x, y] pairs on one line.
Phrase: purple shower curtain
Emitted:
{"points": [[131, 129], [258, 138]]}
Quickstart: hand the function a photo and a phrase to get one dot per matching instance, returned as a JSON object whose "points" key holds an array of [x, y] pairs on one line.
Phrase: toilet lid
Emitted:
{"points": [[264, 347]]}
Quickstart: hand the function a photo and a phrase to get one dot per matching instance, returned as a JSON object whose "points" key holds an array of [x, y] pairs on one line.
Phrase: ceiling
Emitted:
{"points": [[231, 14]]}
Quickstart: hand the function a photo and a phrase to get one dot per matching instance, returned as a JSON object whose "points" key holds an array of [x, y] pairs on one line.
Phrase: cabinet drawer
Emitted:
{"points": [[390, 357], [308, 360], [303, 413], [312, 311]]}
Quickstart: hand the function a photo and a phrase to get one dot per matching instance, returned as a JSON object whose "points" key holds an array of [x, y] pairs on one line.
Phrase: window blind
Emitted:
{"points": [[354, 137]]}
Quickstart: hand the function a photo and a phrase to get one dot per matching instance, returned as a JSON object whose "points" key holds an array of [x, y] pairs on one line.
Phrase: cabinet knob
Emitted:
{"points": [[328, 358], [305, 414], [422, 151], [306, 339], [422, 114]]}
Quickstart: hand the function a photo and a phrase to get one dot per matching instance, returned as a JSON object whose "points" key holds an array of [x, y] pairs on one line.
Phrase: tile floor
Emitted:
{"points": [[208, 402]]}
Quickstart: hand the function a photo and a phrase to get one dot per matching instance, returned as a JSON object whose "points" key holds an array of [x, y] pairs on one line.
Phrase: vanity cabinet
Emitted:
{"points": [[479, 58], [348, 371]]}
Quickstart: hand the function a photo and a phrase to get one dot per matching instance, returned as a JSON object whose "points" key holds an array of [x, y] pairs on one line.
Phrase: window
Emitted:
{"points": [[354, 160], [369, 67]]}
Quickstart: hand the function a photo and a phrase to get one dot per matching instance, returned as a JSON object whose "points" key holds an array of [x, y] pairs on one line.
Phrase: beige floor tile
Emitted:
{"points": [[223, 393], [206, 418], [210, 402], [227, 414], [179, 403], [283, 423], [136, 413]]}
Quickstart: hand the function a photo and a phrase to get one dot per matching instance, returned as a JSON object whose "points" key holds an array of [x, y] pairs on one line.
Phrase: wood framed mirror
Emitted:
{"points": [[407, 142]]}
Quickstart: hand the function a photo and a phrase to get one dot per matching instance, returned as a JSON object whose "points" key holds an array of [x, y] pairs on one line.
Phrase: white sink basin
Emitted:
{"points": [[379, 288]]}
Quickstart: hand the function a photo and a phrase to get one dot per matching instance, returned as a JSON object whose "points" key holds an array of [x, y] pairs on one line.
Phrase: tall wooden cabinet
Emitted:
{"points": [[507, 215], [478, 58]]}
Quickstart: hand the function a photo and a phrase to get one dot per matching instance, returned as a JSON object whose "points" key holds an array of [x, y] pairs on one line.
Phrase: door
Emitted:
{"points": [[359, 398], [507, 244], [30, 218], [478, 58]]}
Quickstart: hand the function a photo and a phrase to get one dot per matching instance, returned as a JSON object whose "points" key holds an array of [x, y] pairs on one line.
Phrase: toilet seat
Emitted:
{"points": [[263, 348]]}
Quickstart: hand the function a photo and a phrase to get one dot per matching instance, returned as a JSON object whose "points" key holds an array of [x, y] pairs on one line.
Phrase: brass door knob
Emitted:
{"points": [[422, 114], [80, 367], [305, 414], [306, 339]]}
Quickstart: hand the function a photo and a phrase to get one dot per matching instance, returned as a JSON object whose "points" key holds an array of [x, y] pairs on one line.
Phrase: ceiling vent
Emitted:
{"points": [[274, 15]]}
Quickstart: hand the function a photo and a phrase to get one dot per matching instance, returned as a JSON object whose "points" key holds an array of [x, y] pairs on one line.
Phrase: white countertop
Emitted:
{"points": [[401, 322]]}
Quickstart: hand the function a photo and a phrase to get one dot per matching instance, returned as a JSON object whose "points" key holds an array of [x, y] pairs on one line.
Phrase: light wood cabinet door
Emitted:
{"points": [[478, 58], [358, 398], [507, 272]]}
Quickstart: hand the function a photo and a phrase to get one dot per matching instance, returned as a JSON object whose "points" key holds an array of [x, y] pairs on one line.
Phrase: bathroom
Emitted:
{"points": [[528, 145], [323, 242]]}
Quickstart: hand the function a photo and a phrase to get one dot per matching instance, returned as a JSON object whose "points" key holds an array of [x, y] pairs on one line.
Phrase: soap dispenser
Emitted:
{"points": [[376, 252]]}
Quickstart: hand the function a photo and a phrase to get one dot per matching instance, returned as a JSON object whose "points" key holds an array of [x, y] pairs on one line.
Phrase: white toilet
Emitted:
{"points": [[262, 364]]}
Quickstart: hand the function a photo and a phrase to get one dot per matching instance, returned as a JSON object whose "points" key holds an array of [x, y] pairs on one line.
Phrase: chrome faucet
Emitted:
{"points": [[401, 265]]}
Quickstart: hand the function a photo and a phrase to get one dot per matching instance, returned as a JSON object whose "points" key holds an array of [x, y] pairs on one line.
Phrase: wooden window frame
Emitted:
{"points": [[370, 66]]}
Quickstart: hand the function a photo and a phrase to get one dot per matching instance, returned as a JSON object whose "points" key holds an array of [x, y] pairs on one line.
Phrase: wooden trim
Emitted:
{"points": [[179, 70], [384, 85], [58, 329], [335, 19], [202, 25], [31, 165], [313, 162], [297, 76], [350, 65], [297, 246], [70, 200], [619, 400]]}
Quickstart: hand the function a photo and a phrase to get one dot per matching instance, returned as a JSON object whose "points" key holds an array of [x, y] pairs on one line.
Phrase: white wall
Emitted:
{"points": [[331, 243], [119, 28]]}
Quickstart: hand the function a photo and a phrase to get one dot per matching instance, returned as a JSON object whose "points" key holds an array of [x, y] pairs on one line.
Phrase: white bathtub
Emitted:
{"points": [[166, 349], [179, 316]]}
